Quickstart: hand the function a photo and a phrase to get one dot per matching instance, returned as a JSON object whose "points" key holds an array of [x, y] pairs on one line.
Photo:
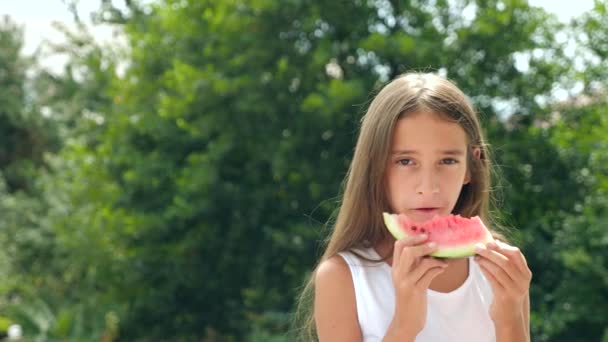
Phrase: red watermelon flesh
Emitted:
{"points": [[455, 236]]}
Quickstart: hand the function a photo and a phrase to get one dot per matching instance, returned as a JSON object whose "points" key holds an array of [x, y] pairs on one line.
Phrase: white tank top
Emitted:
{"points": [[460, 315]]}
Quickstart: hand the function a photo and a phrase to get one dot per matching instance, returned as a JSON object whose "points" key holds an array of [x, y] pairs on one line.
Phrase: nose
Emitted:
{"points": [[428, 183]]}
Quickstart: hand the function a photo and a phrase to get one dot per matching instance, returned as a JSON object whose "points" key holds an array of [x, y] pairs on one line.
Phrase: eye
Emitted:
{"points": [[449, 161], [404, 162]]}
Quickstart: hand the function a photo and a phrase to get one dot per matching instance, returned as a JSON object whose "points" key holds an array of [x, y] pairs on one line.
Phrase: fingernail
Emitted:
{"points": [[479, 248]]}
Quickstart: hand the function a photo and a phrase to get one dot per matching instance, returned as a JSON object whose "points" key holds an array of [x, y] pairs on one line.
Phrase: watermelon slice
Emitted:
{"points": [[455, 236]]}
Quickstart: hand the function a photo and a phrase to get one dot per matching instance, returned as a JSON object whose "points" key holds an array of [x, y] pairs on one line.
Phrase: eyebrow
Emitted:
{"points": [[455, 152]]}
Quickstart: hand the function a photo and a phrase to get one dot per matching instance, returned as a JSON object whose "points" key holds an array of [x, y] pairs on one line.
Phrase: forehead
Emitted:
{"points": [[427, 130]]}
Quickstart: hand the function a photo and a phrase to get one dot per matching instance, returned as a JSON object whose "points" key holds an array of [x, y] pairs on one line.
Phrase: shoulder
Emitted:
{"points": [[334, 274], [335, 304], [334, 267]]}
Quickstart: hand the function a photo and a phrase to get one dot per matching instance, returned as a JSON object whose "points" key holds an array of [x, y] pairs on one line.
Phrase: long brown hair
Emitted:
{"points": [[359, 220]]}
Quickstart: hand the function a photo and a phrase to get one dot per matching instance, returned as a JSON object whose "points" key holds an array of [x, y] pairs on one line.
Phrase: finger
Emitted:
{"points": [[494, 256], [505, 248], [400, 245], [423, 249], [429, 275], [412, 255], [426, 264], [494, 283], [523, 276], [512, 253], [414, 240], [517, 272], [497, 273], [509, 275], [518, 269], [397, 249]]}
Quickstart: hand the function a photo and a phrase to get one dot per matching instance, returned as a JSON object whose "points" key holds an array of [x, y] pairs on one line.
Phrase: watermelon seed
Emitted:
{"points": [[422, 230], [414, 228]]}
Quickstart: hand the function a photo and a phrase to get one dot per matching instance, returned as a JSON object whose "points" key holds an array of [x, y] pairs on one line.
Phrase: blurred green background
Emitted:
{"points": [[177, 187]]}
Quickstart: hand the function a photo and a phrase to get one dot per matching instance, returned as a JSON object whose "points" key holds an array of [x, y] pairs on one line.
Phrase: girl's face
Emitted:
{"points": [[427, 166]]}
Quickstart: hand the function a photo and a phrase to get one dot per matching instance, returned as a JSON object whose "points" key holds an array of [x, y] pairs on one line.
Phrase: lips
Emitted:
{"points": [[424, 213]]}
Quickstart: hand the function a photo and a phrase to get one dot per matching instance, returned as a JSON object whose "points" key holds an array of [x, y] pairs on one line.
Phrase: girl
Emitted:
{"points": [[420, 152]]}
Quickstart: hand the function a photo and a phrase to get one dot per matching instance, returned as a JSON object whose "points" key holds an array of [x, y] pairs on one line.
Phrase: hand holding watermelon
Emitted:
{"points": [[506, 269], [412, 273], [454, 236]]}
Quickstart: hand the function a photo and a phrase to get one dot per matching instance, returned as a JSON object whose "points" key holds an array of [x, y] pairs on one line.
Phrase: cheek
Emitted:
{"points": [[398, 180], [397, 186], [453, 181], [391, 184]]}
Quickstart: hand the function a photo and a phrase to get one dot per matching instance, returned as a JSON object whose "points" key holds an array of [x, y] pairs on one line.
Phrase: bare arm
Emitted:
{"points": [[527, 316], [335, 305], [517, 329]]}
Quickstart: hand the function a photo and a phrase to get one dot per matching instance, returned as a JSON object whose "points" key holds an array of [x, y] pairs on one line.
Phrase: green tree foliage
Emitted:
{"points": [[189, 194], [24, 136], [580, 241], [578, 129], [234, 125], [52, 273]]}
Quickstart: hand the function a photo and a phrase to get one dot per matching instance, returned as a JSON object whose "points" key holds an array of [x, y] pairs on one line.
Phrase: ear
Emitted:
{"points": [[477, 155]]}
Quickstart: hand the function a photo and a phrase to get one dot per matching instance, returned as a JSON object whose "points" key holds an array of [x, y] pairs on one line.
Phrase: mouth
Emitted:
{"points": [[425, 213], [426, 210]]}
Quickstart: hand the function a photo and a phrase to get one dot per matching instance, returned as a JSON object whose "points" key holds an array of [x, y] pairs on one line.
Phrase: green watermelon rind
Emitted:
{"points": [[446, 252], [454, 252], [393, 226]]}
